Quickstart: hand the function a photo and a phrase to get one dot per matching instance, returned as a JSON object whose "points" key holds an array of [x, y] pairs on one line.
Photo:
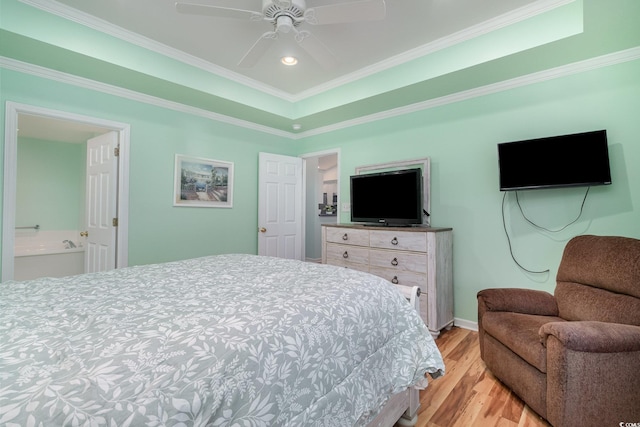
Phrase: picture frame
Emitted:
{"points": [[201, 182]]}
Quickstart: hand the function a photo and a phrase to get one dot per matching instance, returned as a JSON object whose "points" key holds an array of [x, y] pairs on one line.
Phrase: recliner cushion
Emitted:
{"points": [[519, 332], [582, 302], [605, 262]]}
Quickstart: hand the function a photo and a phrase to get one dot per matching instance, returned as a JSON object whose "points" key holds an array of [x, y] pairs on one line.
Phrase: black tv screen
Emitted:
{"points": [[387, 198], [580, 159]]}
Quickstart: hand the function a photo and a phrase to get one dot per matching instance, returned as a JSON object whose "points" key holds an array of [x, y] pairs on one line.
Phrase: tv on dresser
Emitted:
{"points": [[393, 198]]}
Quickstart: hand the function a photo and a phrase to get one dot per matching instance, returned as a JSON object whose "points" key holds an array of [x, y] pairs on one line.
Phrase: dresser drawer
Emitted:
{"points": [[398, 260], [406, 278], [348, 236], [351, 265], [346, 256], [399, 277], [404, 240]]}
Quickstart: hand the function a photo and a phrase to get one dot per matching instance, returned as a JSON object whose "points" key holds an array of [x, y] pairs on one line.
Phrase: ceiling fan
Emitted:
{"points": [[286, 16]]}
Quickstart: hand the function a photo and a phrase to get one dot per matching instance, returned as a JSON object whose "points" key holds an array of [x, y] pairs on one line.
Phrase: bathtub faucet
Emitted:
{"points": [[68, 244]]}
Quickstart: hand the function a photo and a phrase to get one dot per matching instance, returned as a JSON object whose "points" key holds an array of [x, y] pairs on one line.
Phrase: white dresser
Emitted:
{"points": [[410, 256]]}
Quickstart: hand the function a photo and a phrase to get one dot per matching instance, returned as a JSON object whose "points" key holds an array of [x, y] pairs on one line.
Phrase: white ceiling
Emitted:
{"points": [[218, 44]]}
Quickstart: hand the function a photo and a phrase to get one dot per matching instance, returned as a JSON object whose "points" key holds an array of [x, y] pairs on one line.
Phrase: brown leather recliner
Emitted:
{"points": [[573, 357]]}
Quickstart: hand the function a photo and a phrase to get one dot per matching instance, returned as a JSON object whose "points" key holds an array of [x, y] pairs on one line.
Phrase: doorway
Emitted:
{"points": [[322, 198], [39, 124]]}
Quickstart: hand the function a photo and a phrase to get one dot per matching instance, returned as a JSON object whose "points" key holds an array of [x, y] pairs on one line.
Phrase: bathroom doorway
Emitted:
{"points": [[53, 143], [322, 198]]}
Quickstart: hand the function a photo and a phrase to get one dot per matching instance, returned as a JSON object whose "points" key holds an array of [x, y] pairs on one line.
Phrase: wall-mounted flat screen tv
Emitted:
{"points": [[387, 198], [580, 159]]}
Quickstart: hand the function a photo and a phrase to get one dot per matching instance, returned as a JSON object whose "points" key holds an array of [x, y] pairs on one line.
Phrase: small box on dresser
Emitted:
{"points": [[409, 256]]}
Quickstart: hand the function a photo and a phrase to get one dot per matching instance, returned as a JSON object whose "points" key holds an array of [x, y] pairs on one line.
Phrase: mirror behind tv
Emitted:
{"points": [[391, 198], [580, 159]]}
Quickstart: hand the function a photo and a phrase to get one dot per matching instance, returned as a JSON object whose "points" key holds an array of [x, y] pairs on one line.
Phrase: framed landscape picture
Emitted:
{"points": [[202, 182]]}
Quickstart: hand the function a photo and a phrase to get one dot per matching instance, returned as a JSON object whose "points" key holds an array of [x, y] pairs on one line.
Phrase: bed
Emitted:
{"points": [[226, 340]]}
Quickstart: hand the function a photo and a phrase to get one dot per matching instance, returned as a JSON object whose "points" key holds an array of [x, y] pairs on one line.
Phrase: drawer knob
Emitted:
{"points": [[394, 262], [345, 237], [394, 241], [395, 280], [345, 255]]}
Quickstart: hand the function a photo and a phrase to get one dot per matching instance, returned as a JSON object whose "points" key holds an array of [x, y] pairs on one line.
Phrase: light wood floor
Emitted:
{"points": [[469, 395]]}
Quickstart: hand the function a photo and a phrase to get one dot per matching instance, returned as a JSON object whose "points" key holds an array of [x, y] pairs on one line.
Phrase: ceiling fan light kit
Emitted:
{"points": [[289, 60], [284, 24], [286, 16]]}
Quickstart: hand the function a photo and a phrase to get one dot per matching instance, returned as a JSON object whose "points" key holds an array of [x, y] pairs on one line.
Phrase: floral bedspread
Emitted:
{"points": [[228, 340]]}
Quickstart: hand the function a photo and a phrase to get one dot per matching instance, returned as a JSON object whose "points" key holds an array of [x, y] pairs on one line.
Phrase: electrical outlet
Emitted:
{"points": [[346, 207]]}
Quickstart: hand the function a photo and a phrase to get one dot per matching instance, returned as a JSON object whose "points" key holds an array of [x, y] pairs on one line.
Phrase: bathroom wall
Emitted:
{"points": [[50, 184]]}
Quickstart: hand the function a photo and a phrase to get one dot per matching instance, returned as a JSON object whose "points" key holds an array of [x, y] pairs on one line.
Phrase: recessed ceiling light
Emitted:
{"points": [[296, 126], [289, 60]]}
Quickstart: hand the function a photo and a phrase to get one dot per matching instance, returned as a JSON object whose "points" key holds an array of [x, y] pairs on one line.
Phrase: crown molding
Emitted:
{"points": [[493, 24], [607, 60], [46, 73], [55, 8], [627, 55], [90, 21]]}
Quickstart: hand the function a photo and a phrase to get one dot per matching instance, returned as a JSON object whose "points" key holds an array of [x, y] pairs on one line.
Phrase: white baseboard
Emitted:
{"points": [[465, 324]]}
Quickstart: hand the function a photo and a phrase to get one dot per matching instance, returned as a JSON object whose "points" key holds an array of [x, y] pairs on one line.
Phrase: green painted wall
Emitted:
{"points": [[461, 141], [158, 230], [50, 184], [460, 138]]}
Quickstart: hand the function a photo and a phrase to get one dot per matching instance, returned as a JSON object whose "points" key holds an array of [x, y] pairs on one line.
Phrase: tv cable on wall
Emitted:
{"points": [[504, 225]]}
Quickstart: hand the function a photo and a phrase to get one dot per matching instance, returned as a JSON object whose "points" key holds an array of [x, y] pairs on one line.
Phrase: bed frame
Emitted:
{"points": [[402, 408]]}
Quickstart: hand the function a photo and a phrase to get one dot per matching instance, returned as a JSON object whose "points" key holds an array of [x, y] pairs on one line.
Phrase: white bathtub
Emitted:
{"points": [[44, 254]]}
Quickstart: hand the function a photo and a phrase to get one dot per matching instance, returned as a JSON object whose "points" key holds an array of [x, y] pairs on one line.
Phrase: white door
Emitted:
{"points": [[280, 206], [101, 209]]}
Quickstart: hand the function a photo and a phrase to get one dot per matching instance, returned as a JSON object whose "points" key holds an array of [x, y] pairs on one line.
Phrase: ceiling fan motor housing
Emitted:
{"points": [[276, 11]]}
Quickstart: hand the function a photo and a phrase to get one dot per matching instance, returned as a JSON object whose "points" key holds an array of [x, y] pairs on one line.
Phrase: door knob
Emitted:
{"points": [[263, 230], [84, 234]]}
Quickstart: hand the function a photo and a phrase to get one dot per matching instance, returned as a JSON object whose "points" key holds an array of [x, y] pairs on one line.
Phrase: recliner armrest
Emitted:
{"points": [[517, 300], [593, 372], [593, 337]]}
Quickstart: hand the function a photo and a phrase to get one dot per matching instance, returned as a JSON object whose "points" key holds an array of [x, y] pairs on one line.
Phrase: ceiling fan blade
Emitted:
{"points": [[220, 12], [318, 51], [340, 13], [258, 49]]}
